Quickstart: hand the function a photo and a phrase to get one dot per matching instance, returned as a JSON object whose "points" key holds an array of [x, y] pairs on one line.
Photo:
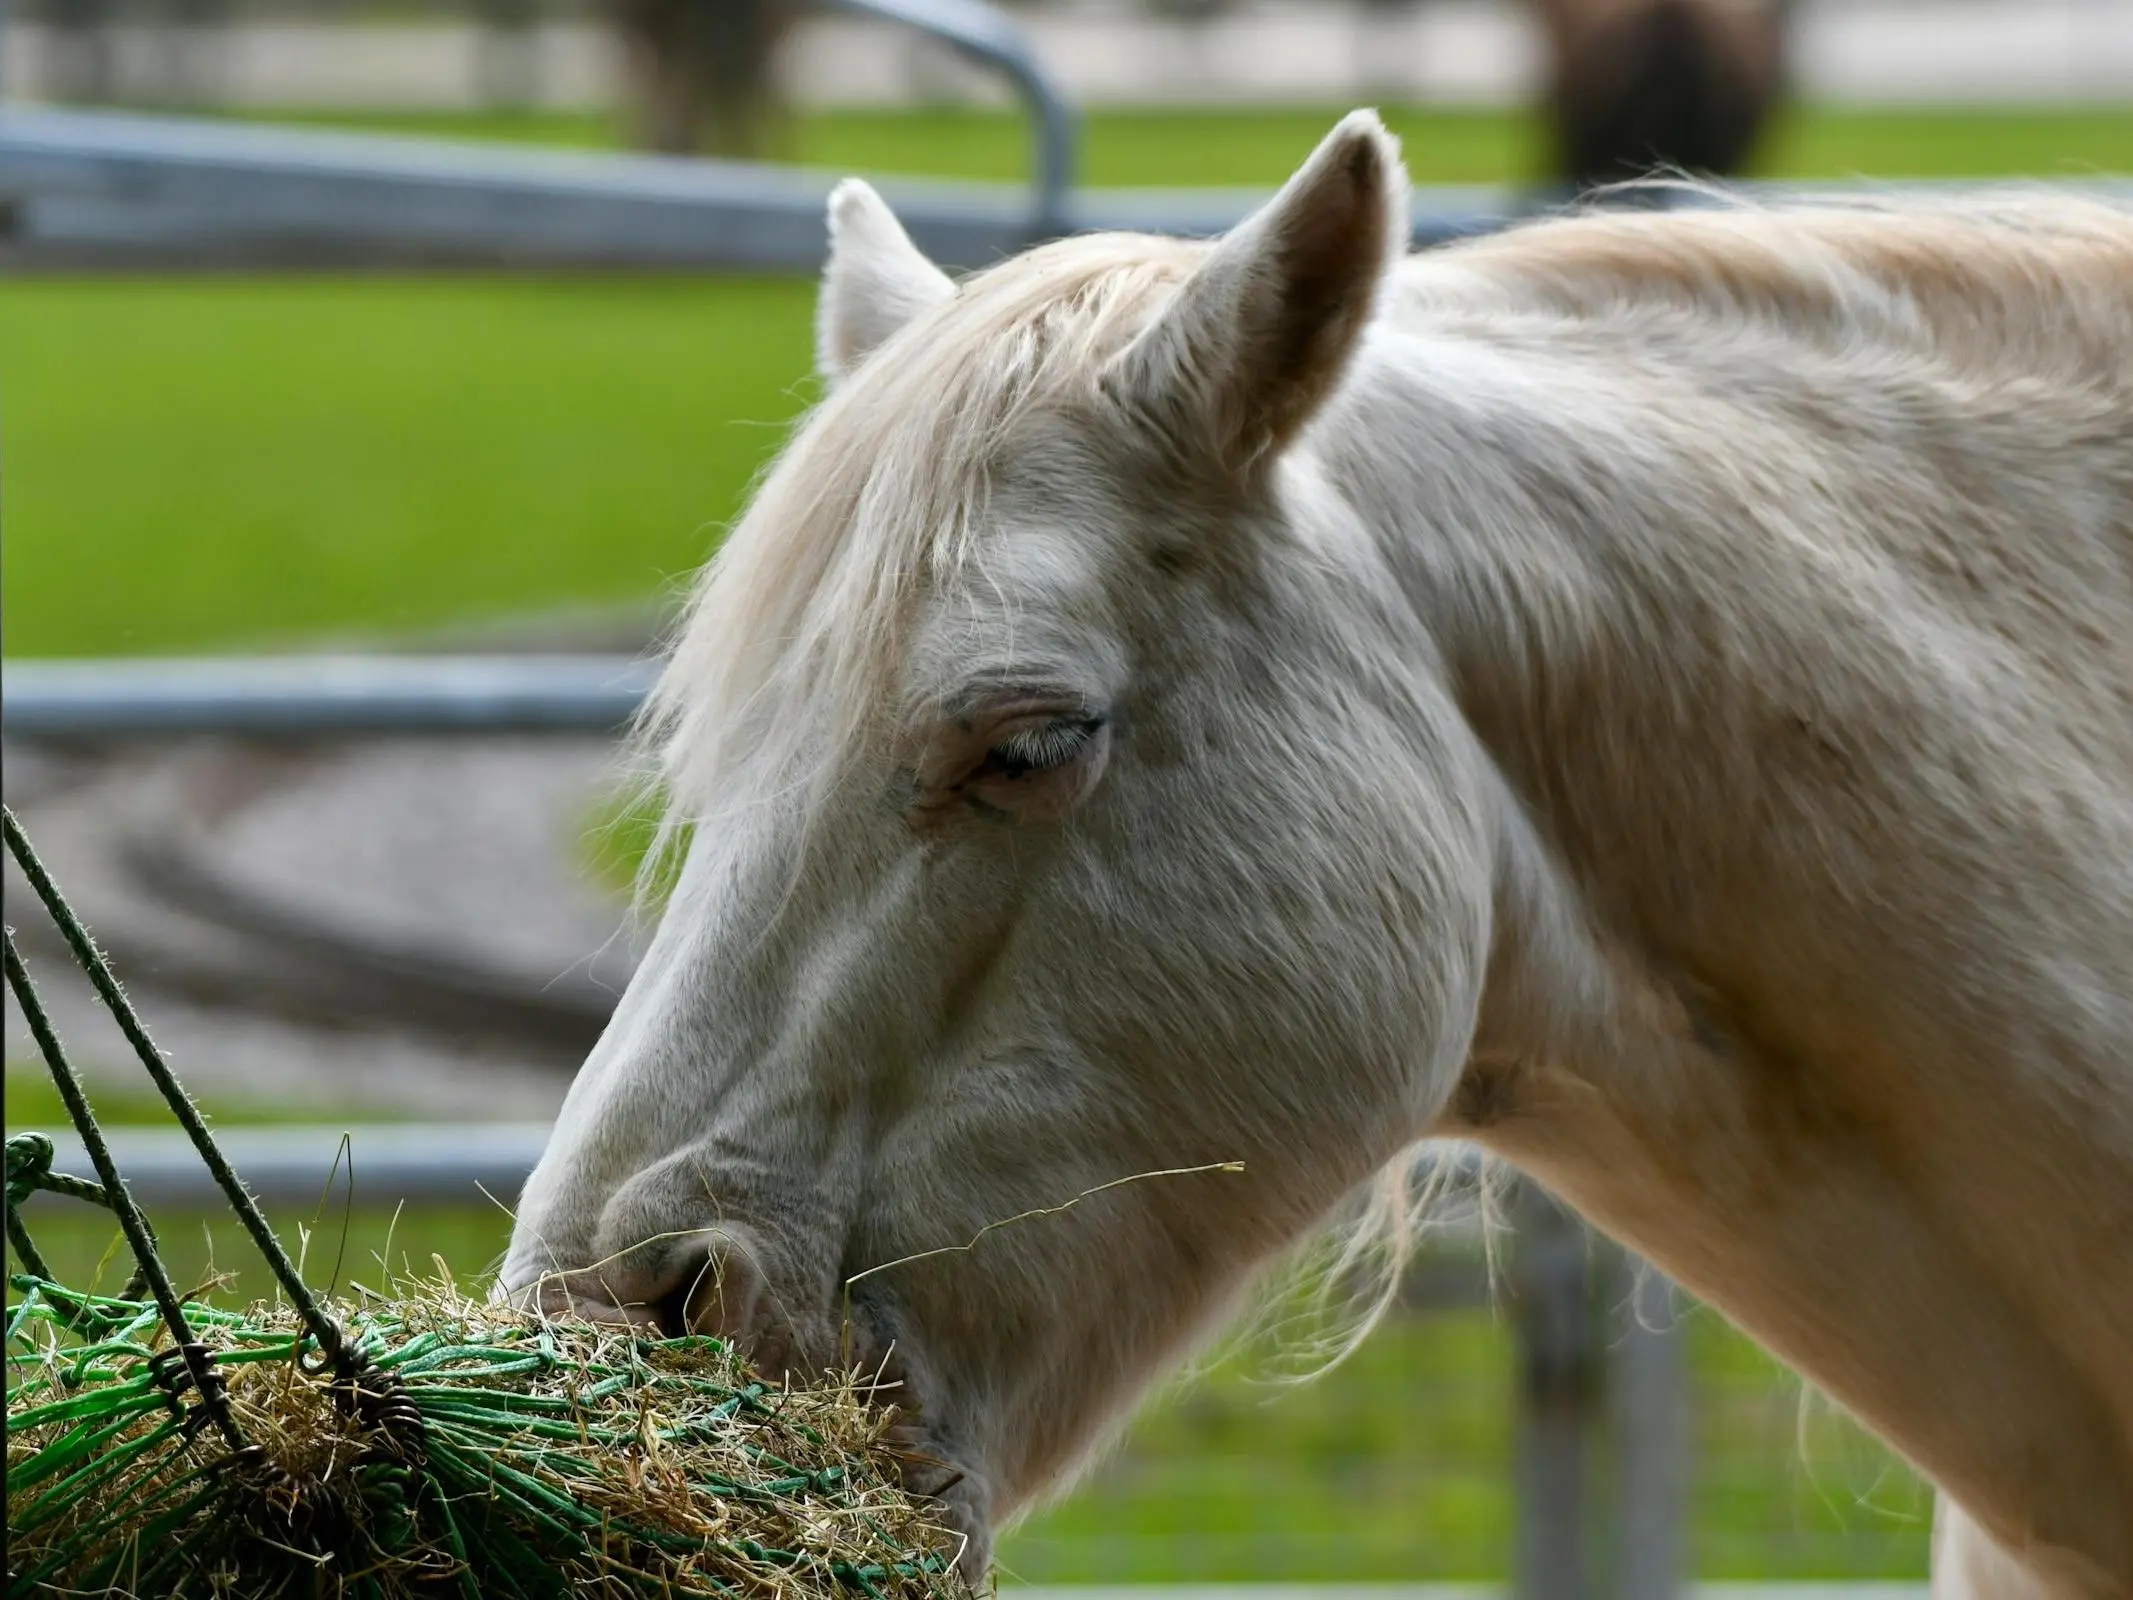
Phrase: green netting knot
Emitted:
{"points": [[29, 1157], [29, 1168]]}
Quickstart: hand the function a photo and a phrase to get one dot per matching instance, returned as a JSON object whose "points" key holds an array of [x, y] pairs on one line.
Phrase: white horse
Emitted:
{"points": [[1651, 694]]}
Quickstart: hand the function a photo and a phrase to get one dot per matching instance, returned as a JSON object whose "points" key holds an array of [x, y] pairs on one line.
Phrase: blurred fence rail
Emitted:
{"points": [[84, 187], [321, 696], [421, 1164], [121, 189], [82, 181]]}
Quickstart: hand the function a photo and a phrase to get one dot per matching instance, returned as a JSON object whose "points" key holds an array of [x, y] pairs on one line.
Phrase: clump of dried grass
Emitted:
{"points": [[492, 1453]]}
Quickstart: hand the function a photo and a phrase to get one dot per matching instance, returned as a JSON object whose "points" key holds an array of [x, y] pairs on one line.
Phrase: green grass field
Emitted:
{"points": [[200, 463], [220, 461]]}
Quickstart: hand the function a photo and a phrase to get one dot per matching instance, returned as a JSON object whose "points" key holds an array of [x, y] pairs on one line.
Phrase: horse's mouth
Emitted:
{"points": [[881, 1373], [853, 1351]]}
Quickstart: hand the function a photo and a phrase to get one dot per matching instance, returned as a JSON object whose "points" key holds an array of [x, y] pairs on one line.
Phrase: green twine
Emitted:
{"points": [[323, 1328], [131, 1222], [471, 1451]]}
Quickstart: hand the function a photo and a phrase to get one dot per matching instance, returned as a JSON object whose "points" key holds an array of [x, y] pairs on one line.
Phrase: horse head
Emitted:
{"points": [[1087, 882]]}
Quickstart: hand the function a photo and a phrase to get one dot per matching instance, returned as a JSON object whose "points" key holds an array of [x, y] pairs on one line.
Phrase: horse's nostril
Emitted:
{"points": [[572, 1296]]}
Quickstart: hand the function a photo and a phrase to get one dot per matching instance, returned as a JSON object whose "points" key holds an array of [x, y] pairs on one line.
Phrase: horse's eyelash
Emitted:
{"points": [[1046, 745]]}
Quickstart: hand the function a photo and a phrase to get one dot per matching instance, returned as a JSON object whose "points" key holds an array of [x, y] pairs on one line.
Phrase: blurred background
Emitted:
{"points": [[316, 347]]}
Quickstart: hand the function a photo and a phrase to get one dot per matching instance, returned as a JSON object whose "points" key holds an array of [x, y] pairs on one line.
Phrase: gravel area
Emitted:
{"points": [[463, 858], [476, 847]]}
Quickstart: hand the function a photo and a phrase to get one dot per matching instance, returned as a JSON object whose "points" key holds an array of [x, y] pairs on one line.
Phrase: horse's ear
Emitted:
{"points": [[1259, 335], [875, 282]]}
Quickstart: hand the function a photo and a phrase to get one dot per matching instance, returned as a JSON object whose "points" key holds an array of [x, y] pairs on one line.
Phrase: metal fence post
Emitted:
{"points": [[1557, 1403], [1648, 1398], [989, 35]]}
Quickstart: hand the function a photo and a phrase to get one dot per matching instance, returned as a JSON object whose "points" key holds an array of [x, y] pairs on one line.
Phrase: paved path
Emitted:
{"points": [[387, 928], [376, 928]]}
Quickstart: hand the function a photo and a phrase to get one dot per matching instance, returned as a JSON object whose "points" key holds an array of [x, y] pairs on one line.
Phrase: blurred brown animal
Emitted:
{"points": [[1640, 85], [701, 73]]}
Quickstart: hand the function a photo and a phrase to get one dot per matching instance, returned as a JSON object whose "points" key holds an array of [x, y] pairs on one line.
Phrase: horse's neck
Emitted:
{"points": [[1779, 701], [1768, 1004], [1723, 584]]}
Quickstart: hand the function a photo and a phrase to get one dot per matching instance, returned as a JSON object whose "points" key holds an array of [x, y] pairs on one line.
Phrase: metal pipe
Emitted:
{"points": [[420, 1163], [306, 696], [1557, 1416], [173, 177], [118, 187], [1648, 1384], [997, 39]]}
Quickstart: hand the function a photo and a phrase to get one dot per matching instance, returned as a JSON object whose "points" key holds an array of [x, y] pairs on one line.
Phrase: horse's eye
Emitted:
{"points": [[1040, 747]]}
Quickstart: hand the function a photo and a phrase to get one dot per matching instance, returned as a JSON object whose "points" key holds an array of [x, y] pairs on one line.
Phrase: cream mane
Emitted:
{"points": [[876, 496], [2041, 278]]}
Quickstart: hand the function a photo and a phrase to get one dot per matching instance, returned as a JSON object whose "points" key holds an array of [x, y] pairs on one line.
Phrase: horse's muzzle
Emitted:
{"points": [[725, 1292]]}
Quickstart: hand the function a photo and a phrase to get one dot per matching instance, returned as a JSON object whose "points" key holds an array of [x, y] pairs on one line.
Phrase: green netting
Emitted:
{"points": [[426, 1445], [526, 1459]]}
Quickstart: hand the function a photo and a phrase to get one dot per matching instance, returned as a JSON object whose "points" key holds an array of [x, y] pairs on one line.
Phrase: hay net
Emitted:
{"points": [[424, 1445]]}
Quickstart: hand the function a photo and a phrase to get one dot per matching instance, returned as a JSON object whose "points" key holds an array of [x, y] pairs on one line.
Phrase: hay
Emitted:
{"points": [[486, 1452]]}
